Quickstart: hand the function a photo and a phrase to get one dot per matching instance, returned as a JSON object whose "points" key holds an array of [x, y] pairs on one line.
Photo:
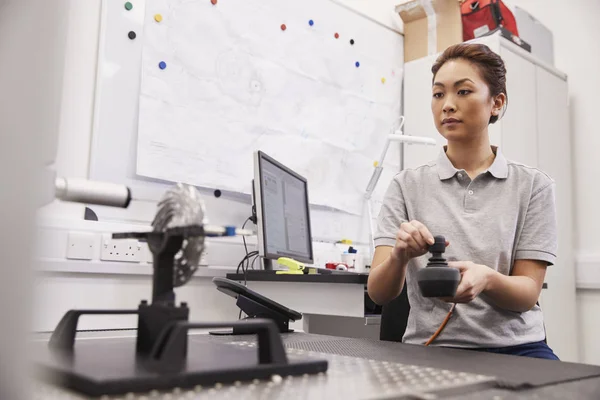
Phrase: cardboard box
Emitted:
{"points": [[430, 26]]}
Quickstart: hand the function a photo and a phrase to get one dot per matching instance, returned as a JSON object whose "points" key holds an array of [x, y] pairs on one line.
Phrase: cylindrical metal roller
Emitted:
{"points": [[92, 192]]}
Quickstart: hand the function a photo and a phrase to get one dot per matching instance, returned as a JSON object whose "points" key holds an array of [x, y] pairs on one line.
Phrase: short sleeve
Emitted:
{"points": [[538, 239], [391, 216]]}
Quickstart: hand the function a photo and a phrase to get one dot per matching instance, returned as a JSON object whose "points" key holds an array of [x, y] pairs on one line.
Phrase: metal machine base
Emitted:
{"points": [[99, 367]]}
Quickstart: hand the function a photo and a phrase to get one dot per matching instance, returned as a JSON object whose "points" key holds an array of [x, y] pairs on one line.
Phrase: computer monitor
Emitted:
{"points": [[282, 212]]}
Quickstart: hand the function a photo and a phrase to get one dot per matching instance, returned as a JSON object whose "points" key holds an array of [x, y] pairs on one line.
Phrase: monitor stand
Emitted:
{"points": [[267, 267], [266, 263], [254, 309]]}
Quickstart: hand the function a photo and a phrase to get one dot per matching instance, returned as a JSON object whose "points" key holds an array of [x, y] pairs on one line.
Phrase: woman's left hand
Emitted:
{"points": [[474, 280]]}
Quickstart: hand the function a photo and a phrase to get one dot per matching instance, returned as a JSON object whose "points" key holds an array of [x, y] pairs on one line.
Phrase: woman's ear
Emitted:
{"points": [[499, 104]]}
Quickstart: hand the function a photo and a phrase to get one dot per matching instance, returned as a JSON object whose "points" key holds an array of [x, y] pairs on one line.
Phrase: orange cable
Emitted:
{"points": [[442, 326]]}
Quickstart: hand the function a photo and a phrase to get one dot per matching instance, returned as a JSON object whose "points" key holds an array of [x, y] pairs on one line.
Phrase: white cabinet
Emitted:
{"points": [[519, 125], [534, 131], [554, 157]]}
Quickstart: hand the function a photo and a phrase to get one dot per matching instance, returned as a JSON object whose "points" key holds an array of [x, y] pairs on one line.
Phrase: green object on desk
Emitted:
{"points": [[294, 267]]}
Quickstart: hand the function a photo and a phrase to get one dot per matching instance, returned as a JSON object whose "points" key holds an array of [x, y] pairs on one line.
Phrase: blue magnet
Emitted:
{"points": [[230, 231], [357, 64], [311, 22], [162, 65]]}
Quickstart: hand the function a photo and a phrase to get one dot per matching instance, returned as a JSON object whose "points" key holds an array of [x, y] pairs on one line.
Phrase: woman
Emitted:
{"points": [[498, 217]]}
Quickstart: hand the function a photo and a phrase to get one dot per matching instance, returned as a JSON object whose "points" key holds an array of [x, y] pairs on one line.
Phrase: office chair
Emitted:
{"points": [[394, 318]]}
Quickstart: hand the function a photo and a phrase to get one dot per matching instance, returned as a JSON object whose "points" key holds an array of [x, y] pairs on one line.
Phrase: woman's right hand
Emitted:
{"points": [[413, 240]]}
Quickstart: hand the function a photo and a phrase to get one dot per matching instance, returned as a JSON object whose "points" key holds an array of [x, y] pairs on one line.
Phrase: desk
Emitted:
{"points": [[363, 368], [333, 304]]}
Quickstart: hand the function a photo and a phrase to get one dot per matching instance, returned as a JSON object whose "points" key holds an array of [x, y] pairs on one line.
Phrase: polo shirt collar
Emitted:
{"points": [[498, 169]]}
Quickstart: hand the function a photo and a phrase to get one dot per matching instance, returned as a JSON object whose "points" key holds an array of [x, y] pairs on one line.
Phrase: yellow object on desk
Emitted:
{"points": [[294, 267]]}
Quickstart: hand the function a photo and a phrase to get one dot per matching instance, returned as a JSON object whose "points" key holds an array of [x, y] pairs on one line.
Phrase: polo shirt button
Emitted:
{"points": [[470, 192], [459, 175]]}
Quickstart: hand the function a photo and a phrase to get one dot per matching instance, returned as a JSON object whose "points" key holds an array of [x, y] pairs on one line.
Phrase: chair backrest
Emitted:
{"points": [[394, 318]]}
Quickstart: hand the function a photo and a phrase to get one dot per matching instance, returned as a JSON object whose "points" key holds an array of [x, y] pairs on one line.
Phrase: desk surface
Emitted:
{"points": [[361, 366], [271, 276], [335, 277]]}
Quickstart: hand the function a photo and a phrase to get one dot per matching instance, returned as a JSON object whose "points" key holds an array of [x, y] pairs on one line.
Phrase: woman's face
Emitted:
{"points": [[461, 102]]}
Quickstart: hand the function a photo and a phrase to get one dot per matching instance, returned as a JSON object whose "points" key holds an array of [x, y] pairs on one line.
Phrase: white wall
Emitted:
{"points": [[379, 10], [576, 34]]}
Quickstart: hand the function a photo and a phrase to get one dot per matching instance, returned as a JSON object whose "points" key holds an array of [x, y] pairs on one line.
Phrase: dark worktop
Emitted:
{"points": [[271, 276]]}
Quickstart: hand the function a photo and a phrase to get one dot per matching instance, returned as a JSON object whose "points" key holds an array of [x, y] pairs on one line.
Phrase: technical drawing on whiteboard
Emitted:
{"points": [[220, 81]]}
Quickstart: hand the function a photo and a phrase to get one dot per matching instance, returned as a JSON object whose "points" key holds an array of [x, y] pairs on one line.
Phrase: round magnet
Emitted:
{"points": [[131, 35], [162, 65], [158, 17], [311, 22], [283, 27], [382, 80], [128, 6], [352, 41], [213, 2], [217, 193], [357, 64], [337, 35]]}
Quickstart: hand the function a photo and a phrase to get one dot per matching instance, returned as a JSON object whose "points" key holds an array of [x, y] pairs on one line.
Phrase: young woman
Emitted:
{"points": [[498, 217]]}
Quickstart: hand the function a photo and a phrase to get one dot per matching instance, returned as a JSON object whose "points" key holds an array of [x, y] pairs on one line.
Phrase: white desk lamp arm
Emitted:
{"points": [[399, 138]]}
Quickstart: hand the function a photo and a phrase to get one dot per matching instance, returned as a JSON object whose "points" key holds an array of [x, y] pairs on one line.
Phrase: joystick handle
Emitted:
{"points": [[439, 246], [437, 279]]}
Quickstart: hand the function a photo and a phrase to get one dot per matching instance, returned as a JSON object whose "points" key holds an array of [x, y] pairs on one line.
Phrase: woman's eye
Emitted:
{"points": [[464, 92], [438, 95]]}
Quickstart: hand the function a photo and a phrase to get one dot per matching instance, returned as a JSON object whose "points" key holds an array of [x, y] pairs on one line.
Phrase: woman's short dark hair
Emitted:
{"points": [[489, 64]]}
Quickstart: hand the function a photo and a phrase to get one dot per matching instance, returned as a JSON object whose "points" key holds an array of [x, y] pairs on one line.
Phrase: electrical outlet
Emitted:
{"points": [[80, 246], [125, 250]]}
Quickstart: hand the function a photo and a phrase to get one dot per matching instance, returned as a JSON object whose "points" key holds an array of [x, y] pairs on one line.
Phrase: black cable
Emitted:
{"points": [[244, 270], [256, 256], [244, 237], [246, 273], [246, 258]]}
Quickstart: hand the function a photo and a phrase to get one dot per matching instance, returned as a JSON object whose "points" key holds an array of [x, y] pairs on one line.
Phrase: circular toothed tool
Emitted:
{"points": [[182, 206]]}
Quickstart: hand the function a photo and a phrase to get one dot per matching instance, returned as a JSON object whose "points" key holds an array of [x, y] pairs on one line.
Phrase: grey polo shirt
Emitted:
{"points": [[505, 214]]}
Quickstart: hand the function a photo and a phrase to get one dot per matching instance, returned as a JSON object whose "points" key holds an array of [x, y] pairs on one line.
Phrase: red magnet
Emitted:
{"points": [[337, 35], [214, 2], [283, 27]]}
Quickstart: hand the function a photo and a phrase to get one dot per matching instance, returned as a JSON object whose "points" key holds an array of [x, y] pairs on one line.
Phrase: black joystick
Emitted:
{"points": [[437, 279]]}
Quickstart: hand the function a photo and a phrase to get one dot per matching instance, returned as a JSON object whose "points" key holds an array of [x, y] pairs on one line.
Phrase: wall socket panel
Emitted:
{"points": [[123, 250], [80, 246]]}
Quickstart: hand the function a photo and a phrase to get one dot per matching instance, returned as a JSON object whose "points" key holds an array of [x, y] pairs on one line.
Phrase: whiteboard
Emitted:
{"points": [[115, 130], [310, 84]]}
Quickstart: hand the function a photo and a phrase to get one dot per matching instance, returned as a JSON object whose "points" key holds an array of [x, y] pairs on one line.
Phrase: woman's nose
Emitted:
{"points": [[449, 107]]}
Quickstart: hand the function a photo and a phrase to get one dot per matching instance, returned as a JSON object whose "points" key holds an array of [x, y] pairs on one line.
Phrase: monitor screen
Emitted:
{"points": [[282, 208]]}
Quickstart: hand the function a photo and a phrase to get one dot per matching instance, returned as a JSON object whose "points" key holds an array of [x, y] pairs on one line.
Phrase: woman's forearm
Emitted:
{"points": [[514, 293], [386, 280]]}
